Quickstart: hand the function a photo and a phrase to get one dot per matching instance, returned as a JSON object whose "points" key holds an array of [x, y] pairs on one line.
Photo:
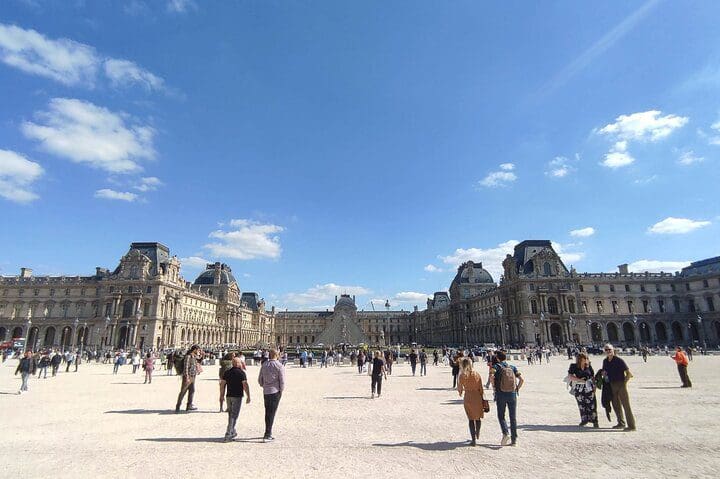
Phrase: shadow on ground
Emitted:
{"points": [[345, 397], [436, 446], [433, 389], [562, 428], [157, 411], [181, 439]]}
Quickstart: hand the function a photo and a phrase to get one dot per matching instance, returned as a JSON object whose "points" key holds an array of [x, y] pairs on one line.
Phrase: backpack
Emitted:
{"points": [[179, 363], [507, 378]]}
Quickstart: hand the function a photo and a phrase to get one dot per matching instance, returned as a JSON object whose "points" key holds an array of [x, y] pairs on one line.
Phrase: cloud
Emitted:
{"points": [[431, 268], [322, 295], [655, 266], [567, 257], [643, 126], [599, 47], [181, 6], [69, 62], [560, 167], [491, 258], [618, 156], [689, 157], [88, 134], [500, 178], [672, 226], [63, 60], [246, 240], [194, 263], [108, 194], [148, 183], [123, 73], [583, 232], [646, 180], [17, 175], [410, 297], [715, 140]]}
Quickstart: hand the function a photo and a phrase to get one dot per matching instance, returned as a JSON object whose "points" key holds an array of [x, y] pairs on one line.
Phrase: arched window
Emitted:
{"points": [[127, 311], [552, 305], [547, 270]]}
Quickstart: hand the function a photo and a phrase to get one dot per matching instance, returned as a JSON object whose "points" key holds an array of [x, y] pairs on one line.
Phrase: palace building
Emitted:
{"points": [[144, 303]]}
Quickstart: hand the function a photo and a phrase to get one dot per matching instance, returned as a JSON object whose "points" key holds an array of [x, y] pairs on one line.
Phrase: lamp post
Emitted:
{"points": [[535, 324], [27, 331], [589, 328], [466, 341], [499, 312], [107, 330], [571, 323], [702, 331], [138, 317], [75, 331], [542, 322], [635, 322], [82, 339]]}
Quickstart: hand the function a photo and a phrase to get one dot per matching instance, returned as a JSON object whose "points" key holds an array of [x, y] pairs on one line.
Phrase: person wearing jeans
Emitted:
{"points": [[505, 399], [26, 367], [234, 381], [272, 380]]}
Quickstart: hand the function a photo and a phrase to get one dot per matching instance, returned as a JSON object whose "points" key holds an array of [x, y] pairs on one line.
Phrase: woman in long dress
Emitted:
{"points": [[581, 377], [470, 383]]}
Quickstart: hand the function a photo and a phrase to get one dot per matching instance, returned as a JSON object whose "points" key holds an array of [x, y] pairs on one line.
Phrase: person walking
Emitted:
{"points": [[582, 380], [389, 360], [26, 367], [360, 361], [506, 381], [423, 362], [272, 380], [69, 358], [681, 360], [413, 357], [618, 375], [135, 361], [189, 373], [233, 386], [43, 365], [470, 383], [55, 361], [149, 367], [377, 372], [436, 357], [456, 368], [118, 363]]}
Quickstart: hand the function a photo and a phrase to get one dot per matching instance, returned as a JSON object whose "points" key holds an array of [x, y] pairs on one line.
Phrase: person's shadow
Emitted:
{"points": [[561, 428], [435, 446], [157, 411]]}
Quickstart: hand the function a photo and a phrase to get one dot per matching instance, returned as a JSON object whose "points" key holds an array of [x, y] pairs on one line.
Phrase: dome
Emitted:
{"points": [[208, 276], [345, 302], [474, 273]]}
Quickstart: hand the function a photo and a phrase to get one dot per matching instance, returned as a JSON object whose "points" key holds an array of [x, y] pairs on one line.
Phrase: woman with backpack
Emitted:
{"points": [[470, 383], [581, 376]]}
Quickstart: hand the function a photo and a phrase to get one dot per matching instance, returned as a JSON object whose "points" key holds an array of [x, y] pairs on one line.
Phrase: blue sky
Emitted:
{"points": [[361, 147]]}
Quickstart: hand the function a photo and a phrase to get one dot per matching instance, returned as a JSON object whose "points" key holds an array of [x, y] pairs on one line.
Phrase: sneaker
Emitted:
{"points": [[629, 429], [227, 439], [619, 426], [268, 439], [372, 395], [514, 443], [505, 440], [191, 408]]}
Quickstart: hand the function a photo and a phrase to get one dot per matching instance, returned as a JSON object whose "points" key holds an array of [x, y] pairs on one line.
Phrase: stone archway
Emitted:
{"points": [[677, 332], [123, 336], [612, 332], [628, 332], [66, 337], [49, 336], [596, 332], [32, 338], [661, 332], [17, 332], [717, 330], [3, 333], [556, 334], [644, 332], [694, 334]]}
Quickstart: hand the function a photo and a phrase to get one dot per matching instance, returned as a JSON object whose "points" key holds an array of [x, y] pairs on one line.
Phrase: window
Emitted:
{"points": [[687, 286], [661, 305], [21, 292], [129, 290], [631, 309], [645, 306], [657, 288], [584, 307], [597, 288], [676, 305], [532, 287], [82, 291], [599, 306], [614, 307], [146, 309], [571, 306], [672, 287], [581, 288], [108, 306], [627, 288], [67, 292], [52, 292], [710, 304], [36, 292], [612, 288], [705, 283], [691, 305], [642, 288], [547, 271]]}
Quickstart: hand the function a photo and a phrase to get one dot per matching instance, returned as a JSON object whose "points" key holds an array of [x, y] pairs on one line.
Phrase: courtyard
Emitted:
{"points": [[93, 423]]}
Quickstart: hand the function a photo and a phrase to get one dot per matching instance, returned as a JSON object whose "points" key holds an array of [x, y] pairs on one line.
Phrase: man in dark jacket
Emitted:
{"points": [[55, 362], [189, 372], [26, 368]]}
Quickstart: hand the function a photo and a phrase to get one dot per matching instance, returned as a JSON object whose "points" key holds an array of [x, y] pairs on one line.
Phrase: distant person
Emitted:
{"points": [[506, 381], [69, 358], [118, 363], [470, 383], [55, 361], [377, 372], [618, 374], [423, 362], [27, 368], [413, 357], [43, 365], [455, 370], [681, 360], [149, 367], [436, 357], [389, 360], [135, 361], [233, 386], [583, 388], [272, 380], [189, 373], [360, 361]]}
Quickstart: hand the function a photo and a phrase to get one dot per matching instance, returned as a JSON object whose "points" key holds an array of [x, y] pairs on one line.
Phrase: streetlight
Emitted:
{"points": [[542, 322], [589, 328], [702, 330], [75, 331], [27, 331], [107, 325], [499, 312], [571, 322], [466, 341], [138, 317], [635, 322]]}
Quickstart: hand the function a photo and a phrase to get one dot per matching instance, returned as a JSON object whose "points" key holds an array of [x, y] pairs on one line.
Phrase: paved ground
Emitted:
{"points": [[94, 424]]}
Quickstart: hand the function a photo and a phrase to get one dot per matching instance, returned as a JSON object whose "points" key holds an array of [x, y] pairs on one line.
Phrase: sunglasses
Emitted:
{"points": [[608, 350]]}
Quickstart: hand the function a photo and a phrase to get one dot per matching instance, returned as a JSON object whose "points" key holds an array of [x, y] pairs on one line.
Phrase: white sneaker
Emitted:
{"points": [[505, 440]]}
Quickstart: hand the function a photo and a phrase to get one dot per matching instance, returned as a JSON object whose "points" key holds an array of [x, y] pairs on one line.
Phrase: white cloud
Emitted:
{"points": [[246, 240], [17, 175], [181, 6], [85, 133], [567, 257], [646, 180], [583, 232], [62, 60], [108, 194], [618, 156], [194, 263], [689, 157], [500, 178], [431, 268], [491, 258], [559, 167], [715, 140], [410, 297], [125, 73], [655, 266], [672, 225], [322, 295], [148, 183], [644, 126]]}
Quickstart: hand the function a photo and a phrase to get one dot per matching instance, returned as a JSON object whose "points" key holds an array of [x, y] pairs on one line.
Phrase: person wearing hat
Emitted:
{"points": [[618, 374]]}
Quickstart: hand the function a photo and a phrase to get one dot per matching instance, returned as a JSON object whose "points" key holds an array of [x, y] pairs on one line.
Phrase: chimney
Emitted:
{"points": [[623, 268], [353, 299], [25, 273], [336, 299], [415, 309]]}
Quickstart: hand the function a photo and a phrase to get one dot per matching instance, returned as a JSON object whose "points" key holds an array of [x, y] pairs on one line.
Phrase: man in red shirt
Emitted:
{"points": [[682, 363]]}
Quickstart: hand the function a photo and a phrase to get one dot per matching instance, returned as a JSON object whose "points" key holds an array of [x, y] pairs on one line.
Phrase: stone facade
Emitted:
{"points": [[344, 324], [540, 301], [143, 303]]}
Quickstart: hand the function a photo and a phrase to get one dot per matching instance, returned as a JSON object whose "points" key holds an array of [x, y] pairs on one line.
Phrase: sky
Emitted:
{"points": [[368, 148]]}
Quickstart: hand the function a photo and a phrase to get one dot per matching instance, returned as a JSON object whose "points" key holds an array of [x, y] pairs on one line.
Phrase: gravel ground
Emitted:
{"points": [[96, 424]]}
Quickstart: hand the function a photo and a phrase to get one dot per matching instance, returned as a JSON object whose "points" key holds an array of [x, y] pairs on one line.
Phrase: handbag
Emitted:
{"points": [[486, 405]]}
